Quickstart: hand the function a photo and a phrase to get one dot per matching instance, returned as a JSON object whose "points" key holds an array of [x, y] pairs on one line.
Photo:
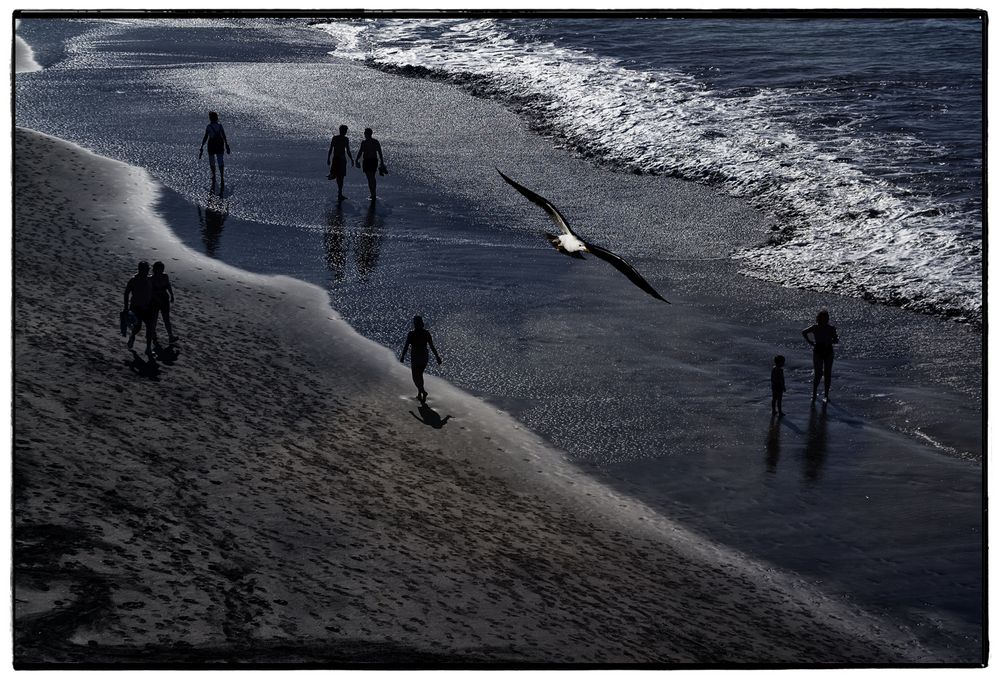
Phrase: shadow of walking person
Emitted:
{"points": [[429, 417], [167, 355], [815, 452], [149, 369]]}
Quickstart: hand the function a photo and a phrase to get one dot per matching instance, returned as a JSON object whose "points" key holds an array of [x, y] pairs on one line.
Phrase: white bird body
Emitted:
{"points": [[571, 243]]}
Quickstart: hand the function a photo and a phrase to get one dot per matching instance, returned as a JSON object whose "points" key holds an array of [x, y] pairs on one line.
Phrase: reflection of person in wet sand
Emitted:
{"points": [[773, 443], [218, 146], [139, 300], [212, 219], [336, 159], [815, 451], [366, 250], [824, 337], [777, 384], [335, 244], [419, 339], [370, 156]]}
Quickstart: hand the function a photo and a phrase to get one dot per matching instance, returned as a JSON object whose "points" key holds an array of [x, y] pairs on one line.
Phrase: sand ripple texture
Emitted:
{"points": [[259, 497]]}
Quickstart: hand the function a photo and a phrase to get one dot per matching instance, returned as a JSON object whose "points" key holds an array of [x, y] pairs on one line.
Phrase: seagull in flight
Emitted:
{"points": [[571, 244]]}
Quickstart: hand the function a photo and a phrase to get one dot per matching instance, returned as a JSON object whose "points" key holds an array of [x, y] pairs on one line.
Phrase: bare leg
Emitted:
{"points": [[150, 323], [166, 324], [371, 184], [418, 380]]}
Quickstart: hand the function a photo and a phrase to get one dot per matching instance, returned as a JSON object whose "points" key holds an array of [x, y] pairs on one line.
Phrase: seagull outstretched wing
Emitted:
{"points": [[614, 259], [541, 201], [626, 269]]}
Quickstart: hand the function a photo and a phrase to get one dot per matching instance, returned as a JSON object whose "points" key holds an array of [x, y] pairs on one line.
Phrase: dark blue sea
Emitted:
{"points": [[861, 139]]}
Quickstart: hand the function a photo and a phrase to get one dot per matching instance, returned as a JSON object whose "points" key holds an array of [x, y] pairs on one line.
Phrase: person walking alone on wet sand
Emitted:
{"points": [[218, 146], [336, 159], [419, 339], [370, 156], [824, 337], [139, 300], [163, 296]]}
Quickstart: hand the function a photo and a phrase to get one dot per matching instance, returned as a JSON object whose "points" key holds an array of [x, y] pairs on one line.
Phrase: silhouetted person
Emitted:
{"points": [[419, 339], [370, 156], [139, 300], [163, 296], [824, 337], [218, 146], [336, 159], [777, 384]]}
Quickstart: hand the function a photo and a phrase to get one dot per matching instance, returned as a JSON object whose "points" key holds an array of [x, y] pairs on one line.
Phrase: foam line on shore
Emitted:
{"points": [[24, 56], [480, 442]]}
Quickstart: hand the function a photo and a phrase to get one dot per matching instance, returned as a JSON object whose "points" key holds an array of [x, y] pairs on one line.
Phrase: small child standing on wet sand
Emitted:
{"points": [[777, 384]]}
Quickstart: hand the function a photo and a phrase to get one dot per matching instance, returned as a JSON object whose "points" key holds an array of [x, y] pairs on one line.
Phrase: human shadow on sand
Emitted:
{"points": [[149, 369], [167, 355], [429, 417]]}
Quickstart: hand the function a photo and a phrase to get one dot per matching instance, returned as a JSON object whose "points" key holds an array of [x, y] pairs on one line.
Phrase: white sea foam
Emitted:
{"points": [[842, 228]]}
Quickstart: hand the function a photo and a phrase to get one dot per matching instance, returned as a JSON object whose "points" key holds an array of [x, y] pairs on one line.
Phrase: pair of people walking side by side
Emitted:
{"points": [[419, 339], [148, 297], [369, 159]]}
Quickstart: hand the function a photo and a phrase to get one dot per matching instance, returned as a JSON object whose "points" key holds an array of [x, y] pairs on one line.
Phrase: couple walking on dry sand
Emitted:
{"points": [[369, 158], [824, 337], [147, 297]]}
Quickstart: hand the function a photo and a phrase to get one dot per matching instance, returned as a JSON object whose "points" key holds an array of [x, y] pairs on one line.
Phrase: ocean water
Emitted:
{"points": [[874, 498], [860, 139]]}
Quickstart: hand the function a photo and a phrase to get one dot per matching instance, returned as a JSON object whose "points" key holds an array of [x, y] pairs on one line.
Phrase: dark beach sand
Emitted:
{"points": [[268, 496]]}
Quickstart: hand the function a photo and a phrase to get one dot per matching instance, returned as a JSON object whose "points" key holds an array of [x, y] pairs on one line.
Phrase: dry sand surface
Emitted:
{"points": [[268, 492]]}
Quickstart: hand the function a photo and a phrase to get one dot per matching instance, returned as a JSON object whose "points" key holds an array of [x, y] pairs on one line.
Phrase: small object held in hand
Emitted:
{"points": [[382, 170], [128, 321]]}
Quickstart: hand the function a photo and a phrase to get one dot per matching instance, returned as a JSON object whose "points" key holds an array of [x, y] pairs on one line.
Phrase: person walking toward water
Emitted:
{"points": [[163, 296], [777, 384], [419, 339], [218, 146], [370, 157], [824, 337], [336, 159], [139, 300]]}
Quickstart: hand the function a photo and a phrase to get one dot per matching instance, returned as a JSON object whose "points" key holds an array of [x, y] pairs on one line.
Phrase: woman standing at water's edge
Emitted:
{"points": [[824, 337]]}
